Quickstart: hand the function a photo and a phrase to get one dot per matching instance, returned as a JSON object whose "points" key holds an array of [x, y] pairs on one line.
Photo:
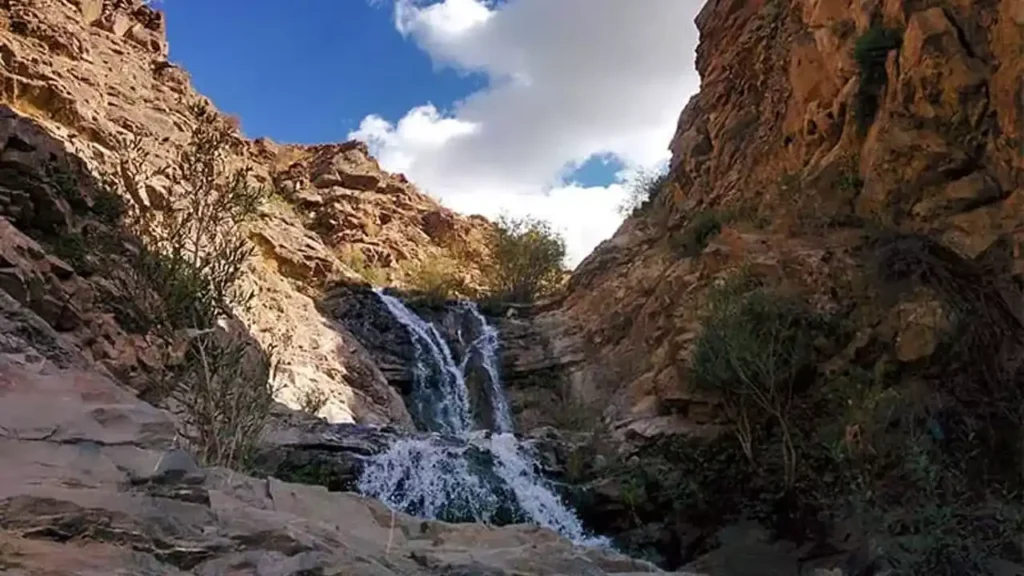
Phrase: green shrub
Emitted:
{"points": [[697, 233], [527, 259], [436, 280], [224, 396], [870, 52], [753, 347], [184, 279], [849, 180], [938, 525], [641, 191]]}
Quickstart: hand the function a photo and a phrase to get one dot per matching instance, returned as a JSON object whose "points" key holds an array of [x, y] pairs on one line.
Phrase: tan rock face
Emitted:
{"points": [[95, 74], [773, 133], [92, 483]]}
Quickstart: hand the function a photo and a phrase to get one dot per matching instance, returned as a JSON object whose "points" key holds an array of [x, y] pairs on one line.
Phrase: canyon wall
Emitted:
{"points": [[88, 85], [798, 151]]}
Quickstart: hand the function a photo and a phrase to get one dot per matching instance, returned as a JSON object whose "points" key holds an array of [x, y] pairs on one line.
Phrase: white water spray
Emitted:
{"points": [[487, 344], [475, 476], [450, 401]]}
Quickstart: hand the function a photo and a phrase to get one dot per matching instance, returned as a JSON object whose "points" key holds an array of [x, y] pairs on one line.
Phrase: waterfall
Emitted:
{"points": [[443, 407], [487, 345], [459, 473]]}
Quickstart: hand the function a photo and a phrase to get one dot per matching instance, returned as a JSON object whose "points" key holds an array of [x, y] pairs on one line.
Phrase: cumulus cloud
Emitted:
{"points": [[567, 80]]}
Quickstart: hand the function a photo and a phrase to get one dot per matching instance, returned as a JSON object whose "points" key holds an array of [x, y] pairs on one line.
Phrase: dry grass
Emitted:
{"points": [[312, 400]]}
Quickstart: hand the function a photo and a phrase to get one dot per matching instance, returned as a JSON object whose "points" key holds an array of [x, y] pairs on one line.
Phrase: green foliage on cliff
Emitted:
{"points": [[694, 238], [643, 189], [754, 346], [528, 259], [922, 458], [436, 280], [182, 281], [354, 258], [870, 52]]}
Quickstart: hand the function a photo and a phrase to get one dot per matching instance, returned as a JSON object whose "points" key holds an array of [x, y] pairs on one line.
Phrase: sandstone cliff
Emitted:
{"points": [[89, 84], [865, 158], [772, 144]]}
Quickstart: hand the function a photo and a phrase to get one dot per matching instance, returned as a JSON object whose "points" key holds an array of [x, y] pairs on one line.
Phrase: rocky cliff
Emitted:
{"points": [[797, 150], [89, 84], [862, 158], [866, 159]]}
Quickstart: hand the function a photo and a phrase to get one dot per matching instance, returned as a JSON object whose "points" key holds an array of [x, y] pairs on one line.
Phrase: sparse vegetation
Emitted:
{"points": [[849, 180], [871, 51], [312, 400], [8, 553], [181, 286], [528, 259], [698, 232], [754, 346], [436, 280], [643, 189], [352, 257], [925, 457], [224, 396]]}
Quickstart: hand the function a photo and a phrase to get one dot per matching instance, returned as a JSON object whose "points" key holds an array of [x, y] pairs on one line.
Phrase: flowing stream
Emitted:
{"points": [[463, 472]]}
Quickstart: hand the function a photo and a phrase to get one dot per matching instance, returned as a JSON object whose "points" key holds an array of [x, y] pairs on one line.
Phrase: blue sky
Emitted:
{"points": [[485, 106]]}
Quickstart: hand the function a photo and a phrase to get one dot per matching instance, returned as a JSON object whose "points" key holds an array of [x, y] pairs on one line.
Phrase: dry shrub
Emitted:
{"points": [[694, 238], [354, 258], [312, 400], [436, 280], [642, 191]]}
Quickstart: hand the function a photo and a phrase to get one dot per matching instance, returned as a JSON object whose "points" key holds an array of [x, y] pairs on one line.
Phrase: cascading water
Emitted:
{"points": [[486, 345], [439, 387], [461, 474]]}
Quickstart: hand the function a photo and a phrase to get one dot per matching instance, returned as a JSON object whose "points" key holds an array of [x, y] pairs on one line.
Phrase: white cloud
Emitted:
{"points": [[568, 80]]}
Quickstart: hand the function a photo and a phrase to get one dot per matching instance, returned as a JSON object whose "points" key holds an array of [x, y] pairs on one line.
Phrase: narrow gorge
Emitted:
{"points": [[800, 354]]}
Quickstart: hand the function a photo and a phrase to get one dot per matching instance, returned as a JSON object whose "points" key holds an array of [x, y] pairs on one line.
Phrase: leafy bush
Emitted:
{"points": [[849, 180], [937, 524], [223, 396], [698, 232], [753, 347], [870, 51], [527, 259], [641, 191]]}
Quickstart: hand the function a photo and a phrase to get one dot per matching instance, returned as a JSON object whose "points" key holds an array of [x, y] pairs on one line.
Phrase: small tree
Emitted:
{"points": [[182, 282], [642, 190], [200, 230], [528, 259], [753, 345]]}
